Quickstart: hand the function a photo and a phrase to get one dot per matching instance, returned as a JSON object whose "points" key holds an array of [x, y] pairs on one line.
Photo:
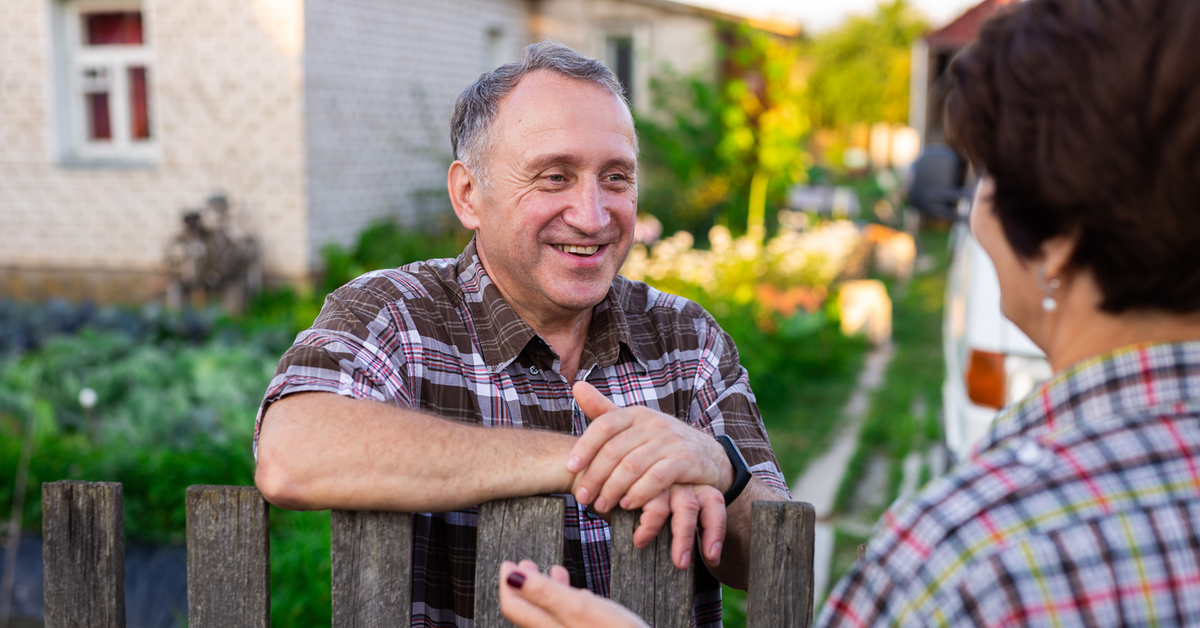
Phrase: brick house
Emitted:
{"points": [[315, 117]]}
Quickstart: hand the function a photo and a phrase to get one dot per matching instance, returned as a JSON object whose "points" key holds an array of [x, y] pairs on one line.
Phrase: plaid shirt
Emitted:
{"points": [[1081, 507], [438, 336]]}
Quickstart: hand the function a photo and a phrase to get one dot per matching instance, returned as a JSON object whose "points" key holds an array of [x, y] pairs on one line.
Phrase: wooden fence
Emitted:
{"points": [[228, 565]]}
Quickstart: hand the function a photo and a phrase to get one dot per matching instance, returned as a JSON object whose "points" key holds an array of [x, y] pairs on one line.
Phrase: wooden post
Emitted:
{"points": [[781, 565], [646, 580], [372, 569], [514, 529], [229, 568], [83, 552]]}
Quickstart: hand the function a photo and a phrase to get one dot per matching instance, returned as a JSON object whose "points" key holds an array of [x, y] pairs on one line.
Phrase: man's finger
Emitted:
{"points": [[591, 401], [712, 522], [616, 445], [654, 515], [658, 477], [684, 509], [594, 405]]}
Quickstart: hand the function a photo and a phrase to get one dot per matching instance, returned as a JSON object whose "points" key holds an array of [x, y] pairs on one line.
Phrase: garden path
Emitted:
{"points": [[820, 481]]}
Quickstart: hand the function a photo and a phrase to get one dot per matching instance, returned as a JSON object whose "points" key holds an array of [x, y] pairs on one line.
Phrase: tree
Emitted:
{"points": [[862, 68], [714, 152]]}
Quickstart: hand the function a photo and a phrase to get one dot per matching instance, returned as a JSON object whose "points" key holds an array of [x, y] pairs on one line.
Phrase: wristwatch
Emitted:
{"points": [[741, 472]]}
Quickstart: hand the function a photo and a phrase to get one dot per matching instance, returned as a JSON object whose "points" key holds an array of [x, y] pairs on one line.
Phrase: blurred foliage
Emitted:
{"points": [[783, 281], [384, 244], [720, 148], [861, 69], [704, 142]]}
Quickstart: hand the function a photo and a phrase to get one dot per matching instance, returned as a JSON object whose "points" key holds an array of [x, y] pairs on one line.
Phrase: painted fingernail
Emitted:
{"points": [[573, 464], [516, 580], [601, 505], [582, 495]]}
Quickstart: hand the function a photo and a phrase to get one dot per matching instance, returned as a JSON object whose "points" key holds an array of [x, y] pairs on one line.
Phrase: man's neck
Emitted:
{"points": [[565, 331]]}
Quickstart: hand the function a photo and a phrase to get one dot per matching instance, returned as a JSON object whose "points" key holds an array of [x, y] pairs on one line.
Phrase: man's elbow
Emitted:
{"points": [[280, 484]]}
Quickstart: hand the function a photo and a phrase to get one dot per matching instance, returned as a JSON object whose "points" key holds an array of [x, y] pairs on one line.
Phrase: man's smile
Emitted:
{"points": [[577, 250]]}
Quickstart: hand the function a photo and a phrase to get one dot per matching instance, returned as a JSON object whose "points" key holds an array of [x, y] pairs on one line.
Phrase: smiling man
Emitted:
{"points": [[525, 366]]}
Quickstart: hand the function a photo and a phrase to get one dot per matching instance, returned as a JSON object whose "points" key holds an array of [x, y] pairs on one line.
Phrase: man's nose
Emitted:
{"points": [[588, 212]]}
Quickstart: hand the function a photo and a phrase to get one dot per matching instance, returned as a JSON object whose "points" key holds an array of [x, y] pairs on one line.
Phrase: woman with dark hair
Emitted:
{"points": [[1081, 506]]}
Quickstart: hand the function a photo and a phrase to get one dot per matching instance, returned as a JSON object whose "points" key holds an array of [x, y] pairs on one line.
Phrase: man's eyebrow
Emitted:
{"points": [[543, 161]]}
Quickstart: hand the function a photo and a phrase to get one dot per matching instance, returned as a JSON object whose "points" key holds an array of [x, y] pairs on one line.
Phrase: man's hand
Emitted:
{"points": [[531, 600], [686, 505], [629, 456]]}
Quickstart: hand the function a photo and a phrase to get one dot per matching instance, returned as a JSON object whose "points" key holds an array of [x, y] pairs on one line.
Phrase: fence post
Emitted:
{"points": [[646, 580], [781, 565], [83, 529], [228, 557], [371, 556], [514, 529]]}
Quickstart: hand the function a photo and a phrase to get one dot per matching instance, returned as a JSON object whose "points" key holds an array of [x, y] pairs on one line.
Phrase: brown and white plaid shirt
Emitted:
{"points": [[437, 336]]}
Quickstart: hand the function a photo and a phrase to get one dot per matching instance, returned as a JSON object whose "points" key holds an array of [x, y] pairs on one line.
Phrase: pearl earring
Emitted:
{"points": [[1048, 288]]}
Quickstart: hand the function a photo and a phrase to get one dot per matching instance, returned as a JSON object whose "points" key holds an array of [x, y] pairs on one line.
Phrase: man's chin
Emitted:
{"points": [[582, 298]]}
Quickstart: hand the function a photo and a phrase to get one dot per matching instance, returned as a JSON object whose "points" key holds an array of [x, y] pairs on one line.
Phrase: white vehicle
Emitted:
{"points": [[989, 362]]}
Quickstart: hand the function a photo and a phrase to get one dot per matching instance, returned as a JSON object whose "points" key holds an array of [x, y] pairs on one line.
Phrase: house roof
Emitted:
{"points": [[965, 28]]}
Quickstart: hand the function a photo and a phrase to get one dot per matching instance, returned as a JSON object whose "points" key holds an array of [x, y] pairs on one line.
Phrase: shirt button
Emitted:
{"points": [[533, 370], [1029, 453]]}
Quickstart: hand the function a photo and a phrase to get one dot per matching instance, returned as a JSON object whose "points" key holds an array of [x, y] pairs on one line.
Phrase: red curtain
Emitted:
{"points": [[115, 28], [99, 127], [140, 111]]}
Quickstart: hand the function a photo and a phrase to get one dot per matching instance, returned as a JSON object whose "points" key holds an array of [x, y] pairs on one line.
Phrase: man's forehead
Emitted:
{"points": [[542, 94]]}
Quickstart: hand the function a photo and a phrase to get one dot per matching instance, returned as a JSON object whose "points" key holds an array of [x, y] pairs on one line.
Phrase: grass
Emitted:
{"points": [[904, 410]]}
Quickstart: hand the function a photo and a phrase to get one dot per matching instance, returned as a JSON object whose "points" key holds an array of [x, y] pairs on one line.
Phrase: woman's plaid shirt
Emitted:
{"points": [[1081, 507], [437, 336]]}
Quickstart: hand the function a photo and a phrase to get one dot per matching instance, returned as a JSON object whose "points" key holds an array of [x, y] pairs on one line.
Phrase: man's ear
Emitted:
{"points": [[464, 194]]}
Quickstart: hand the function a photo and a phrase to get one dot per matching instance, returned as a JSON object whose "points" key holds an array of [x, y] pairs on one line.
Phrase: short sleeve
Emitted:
{"points": [[350, 350]]}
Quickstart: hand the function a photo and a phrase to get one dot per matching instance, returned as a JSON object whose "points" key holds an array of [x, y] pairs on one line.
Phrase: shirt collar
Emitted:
{"points": [[1137, 381], [502, 334]]}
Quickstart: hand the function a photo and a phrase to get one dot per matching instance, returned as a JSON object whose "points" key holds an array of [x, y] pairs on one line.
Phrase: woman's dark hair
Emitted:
{"points": [[1087, 115]]}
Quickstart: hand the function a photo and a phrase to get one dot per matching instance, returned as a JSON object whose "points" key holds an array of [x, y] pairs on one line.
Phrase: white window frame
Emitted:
{"points": [[116, 60]]}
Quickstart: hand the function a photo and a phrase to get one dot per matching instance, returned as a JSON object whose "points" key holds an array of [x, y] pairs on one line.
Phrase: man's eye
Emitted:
{"points": [[616, 177], [556, 178]]}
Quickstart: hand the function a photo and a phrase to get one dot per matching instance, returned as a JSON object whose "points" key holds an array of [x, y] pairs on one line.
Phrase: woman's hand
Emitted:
{"points": [[531, 600]]}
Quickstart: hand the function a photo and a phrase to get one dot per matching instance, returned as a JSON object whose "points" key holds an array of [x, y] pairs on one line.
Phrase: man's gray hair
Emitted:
{"points": [[476, 107]]}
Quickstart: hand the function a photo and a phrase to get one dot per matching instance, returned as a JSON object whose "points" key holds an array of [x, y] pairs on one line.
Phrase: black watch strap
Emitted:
{"points": [[741, 472]]}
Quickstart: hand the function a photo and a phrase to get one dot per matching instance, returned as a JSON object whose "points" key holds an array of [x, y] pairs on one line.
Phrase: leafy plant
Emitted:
{"points": [[718, 149]]}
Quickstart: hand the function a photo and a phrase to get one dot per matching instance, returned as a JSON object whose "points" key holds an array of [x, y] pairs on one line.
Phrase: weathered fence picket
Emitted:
{"points": [[780, 591], [229, 571], [372, 568], [228, 557], [646, 580], [83, 551], [513, 529]]}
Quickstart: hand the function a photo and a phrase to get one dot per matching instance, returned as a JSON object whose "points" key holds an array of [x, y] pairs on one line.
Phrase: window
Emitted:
{"points": [[619, 54], [105, 82]]}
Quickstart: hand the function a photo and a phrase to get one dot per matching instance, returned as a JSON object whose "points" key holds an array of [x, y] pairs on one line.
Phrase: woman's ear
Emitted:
{"points": [[1057, 252], [464, 194]]}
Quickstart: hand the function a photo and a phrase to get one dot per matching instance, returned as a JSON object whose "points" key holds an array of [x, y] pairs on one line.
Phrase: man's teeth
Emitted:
{"points": [[578, 250]]}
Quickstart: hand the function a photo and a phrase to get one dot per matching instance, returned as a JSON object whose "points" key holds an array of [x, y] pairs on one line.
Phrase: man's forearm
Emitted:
{"points": [[734, 569], [322, 450]]}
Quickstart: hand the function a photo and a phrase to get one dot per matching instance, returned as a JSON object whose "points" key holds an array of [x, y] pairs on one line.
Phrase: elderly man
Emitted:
{"points": [[443, 384]]}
